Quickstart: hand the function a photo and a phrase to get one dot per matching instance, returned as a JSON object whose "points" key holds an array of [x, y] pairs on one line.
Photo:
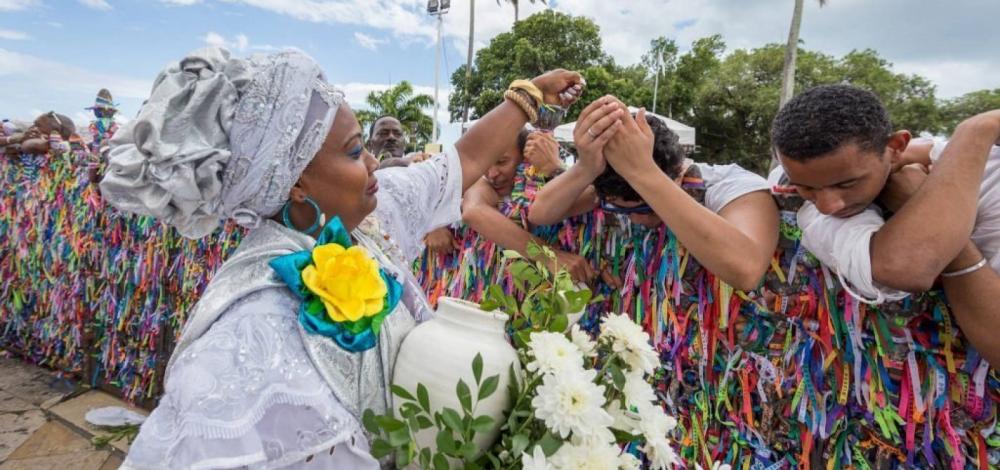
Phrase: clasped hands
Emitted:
{"points": [[607, 133]]}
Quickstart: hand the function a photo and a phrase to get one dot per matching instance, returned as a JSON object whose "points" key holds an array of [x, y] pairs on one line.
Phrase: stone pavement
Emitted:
{"points": [[42, 425]]}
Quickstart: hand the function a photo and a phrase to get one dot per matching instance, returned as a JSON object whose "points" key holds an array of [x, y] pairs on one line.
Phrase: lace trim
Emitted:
{"points": [[257, 460], [215, 429]]}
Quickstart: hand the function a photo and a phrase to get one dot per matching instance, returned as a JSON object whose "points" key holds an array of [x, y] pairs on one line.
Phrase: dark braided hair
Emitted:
{"points": [[823, 118], [667, 154]]}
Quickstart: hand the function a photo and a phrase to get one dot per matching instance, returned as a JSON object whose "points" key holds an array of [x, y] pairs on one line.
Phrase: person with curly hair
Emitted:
{"points": [[838, 147], [634, 166]]}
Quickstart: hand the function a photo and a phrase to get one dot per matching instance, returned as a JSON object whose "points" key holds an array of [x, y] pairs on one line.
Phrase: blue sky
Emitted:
{"points": [[55, 54]]}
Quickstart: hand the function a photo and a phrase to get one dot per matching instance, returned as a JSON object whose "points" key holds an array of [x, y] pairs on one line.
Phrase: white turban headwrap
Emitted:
{"points": [[221, 138]]}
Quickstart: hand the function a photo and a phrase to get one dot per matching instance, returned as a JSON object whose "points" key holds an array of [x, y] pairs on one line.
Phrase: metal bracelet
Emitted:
{"points": [[961, 272]]}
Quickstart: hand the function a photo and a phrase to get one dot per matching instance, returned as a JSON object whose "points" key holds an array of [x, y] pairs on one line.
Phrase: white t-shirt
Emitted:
{"points": [[843, 244], [725, 183], [986, 232]]}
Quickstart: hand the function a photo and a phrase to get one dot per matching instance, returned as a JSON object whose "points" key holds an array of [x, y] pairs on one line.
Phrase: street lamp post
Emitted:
{"points": [[437, 8]]}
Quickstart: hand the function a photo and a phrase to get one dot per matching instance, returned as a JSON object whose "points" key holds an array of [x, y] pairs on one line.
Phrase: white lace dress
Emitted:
{"points": [[246, 394]]}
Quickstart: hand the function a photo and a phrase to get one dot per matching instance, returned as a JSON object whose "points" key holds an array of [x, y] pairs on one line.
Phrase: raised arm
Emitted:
{"points": [[736, 244], [571, 193], [479, 211], [491, 136], [948, 197]]}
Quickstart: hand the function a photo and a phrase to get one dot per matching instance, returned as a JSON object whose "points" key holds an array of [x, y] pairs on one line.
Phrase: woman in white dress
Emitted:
{"points": [[260, 379]]}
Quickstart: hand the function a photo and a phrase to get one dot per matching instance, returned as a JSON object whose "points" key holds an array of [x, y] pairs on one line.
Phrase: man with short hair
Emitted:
{"points": [[387, 141], [838, 148]]}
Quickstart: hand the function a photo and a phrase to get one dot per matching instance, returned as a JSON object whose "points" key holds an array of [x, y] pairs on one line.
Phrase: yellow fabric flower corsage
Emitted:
{"points": [[345, 294], [347, 280]]}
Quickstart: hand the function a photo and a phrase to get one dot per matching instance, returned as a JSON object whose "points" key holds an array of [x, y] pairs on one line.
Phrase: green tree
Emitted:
{"points": [[541, 42], [957, 110], [689, 75], [734, 107], [909, 99], [661, 61], [401, 103]]}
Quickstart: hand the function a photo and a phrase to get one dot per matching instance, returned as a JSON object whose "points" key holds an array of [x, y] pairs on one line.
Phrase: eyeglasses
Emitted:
{"points": [[640, 209]]}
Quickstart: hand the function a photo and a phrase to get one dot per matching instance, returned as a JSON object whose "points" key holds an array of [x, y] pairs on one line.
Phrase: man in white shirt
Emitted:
{"points": [[838, 148]]}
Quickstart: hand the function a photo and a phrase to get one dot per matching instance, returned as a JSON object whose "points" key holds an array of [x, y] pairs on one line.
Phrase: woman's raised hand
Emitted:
{"points": [[598, 123], [630, 150], [560, 87]]}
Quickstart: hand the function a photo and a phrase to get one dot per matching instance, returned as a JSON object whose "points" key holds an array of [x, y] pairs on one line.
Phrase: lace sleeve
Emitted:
{"points": [[416, 199]]}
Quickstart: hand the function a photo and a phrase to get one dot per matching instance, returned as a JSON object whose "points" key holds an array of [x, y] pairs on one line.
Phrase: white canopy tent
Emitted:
{"points": [[685, 133]]}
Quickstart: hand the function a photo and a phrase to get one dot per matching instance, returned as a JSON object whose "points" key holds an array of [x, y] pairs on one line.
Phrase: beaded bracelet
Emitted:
{"points": [[523, 101]]}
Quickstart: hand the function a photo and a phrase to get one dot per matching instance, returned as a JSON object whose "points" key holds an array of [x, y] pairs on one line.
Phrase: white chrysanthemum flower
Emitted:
{"points": [[622, 419], [661, 454], [582, 341], [655, 425], [535, 461], [638, 392], [570, 402], [630, 342], [586, 456], [628, 461], [553, 353]]}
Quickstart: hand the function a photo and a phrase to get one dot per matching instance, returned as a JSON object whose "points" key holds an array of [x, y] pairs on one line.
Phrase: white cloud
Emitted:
{"points": [[97, 4], [402, 17], [54, 24], [13, 35], [15, 5], [48, 75], [240, 42], [367, 41], [955, 78]]}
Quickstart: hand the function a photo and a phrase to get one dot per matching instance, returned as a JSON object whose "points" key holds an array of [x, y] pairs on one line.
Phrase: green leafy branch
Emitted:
{"points": [[547, 296], [456, 429]]}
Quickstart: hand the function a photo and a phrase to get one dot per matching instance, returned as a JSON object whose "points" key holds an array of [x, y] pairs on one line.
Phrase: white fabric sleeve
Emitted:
{"points": [[725, 183], [843, 245], [416, 199], [936, 148]]}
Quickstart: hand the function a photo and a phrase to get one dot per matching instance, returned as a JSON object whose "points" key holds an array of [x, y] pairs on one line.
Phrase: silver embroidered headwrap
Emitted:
{"points": [[221, 138]]}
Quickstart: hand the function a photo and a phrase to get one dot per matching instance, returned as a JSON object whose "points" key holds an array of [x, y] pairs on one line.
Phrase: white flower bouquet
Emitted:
{"points": [[578, 403]]}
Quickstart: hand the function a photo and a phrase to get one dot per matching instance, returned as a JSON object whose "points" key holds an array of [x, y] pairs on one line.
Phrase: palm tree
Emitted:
{"points": [[788, 70], [791, 51], [516, 4], [401, 103]]}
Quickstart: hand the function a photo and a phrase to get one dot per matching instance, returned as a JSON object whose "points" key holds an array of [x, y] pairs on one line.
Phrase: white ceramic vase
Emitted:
{"points": [[439, 352]]}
